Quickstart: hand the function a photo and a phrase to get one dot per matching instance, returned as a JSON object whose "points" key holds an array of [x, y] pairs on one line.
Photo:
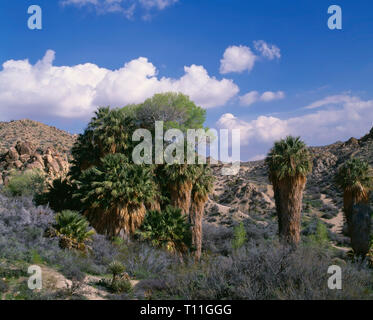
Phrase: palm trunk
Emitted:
{"points": [[351, 198], [153, 206], [360, 229], [357, 214], [118, 221], [195, 217], [181, 196], [276, 193], [289, 206]]}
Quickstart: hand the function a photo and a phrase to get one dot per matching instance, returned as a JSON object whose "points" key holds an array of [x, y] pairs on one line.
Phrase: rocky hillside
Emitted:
{"points": [[249, 195], [39, 134], [27, 144], [25, 156]]}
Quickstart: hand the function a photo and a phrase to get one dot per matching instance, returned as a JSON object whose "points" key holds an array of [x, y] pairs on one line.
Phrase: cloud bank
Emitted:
{"points": [[76, 91], [352, 117]]}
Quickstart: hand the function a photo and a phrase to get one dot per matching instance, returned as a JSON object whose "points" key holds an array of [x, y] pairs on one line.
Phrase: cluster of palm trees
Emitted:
{"points": [[115, 194], [289, 162]]}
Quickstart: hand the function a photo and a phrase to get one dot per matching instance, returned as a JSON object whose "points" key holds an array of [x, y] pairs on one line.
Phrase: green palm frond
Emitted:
{"points": [[167, 229], [355, 174], [289, 158], [73, 226]]}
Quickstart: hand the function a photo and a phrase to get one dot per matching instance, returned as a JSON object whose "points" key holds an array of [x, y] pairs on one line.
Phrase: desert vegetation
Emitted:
{"points": [[120, 230]]}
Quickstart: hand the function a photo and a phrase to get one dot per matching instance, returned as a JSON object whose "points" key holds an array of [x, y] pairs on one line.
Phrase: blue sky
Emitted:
{"points": [[299, 78]]}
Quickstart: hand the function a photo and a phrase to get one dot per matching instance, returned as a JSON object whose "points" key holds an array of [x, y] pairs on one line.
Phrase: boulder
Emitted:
{"points": [[25, 148], [13, 154]]}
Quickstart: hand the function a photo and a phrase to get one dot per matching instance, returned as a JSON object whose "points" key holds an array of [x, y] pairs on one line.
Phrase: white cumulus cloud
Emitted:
{"points": [[242, 58], [254, 96], [237, 59], [76, 91]]}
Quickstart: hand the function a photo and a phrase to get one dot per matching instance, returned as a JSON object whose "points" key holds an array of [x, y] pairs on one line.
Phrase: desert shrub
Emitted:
{"points": [[239, 236], [25, 183], [217, 239], [168, 229], [72, 230], [262, 271], [143, 261]]}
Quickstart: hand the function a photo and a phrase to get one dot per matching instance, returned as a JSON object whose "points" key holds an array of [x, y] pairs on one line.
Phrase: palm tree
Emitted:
{"points": [[108, 132], [179, 182], [356, 181], [202, 186], [72, 230], [289, 164], [113, 194]]}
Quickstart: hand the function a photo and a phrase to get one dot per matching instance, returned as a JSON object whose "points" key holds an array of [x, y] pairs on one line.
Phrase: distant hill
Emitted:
{"points": [[39, 134]]}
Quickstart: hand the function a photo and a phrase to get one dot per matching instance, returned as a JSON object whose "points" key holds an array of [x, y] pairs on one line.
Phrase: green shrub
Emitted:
{"points": [[320, 236], [120, 282], [25, 183], [239, 236], [116, 269], [168, 229], [72, 229]]}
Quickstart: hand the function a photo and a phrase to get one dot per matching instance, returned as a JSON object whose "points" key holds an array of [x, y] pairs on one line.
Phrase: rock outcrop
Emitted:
{"points": [[26, 156]]}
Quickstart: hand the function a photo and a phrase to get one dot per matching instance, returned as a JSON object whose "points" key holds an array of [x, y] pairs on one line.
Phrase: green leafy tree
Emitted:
{"points": [[289, 164], [113, 195], [168, 229], [176, 110]]}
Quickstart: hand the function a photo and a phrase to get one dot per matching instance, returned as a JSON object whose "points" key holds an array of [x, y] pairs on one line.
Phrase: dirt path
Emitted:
{"points": [[337, 221]]}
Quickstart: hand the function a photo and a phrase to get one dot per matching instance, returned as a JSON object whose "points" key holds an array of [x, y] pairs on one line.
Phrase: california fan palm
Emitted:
{"points": [[179, 179], [356, 180], [113, 195], [289, 164]]}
